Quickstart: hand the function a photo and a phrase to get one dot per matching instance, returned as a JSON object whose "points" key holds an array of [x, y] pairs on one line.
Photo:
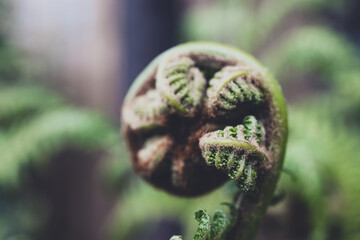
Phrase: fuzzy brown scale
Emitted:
{"points": [[188, 112]]}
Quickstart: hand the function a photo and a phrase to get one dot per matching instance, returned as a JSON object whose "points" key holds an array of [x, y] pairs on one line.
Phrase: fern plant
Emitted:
{"points": [[202, 87]]}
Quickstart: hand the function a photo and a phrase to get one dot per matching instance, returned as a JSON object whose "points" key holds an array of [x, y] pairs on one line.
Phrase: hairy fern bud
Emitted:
{"points": [[231, 88], [181, 83], [203, 113], [140, 117], [236, 150]]}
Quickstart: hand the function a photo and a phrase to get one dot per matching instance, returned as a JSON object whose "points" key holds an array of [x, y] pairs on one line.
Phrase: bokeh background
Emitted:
{"points": [[65, 66]]}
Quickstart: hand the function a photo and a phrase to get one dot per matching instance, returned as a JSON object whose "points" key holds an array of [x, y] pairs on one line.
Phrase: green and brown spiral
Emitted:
{"points": [[231, 88], [203, 113], [237, 151]]}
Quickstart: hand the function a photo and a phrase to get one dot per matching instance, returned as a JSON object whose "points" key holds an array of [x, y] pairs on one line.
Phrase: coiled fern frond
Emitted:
{"points": [[231, 87], [154, 114], [206, 87], [181, 83], [236, 150]]}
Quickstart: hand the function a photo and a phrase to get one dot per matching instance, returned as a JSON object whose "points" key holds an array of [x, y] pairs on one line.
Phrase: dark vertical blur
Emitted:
{"points": [[78, 205], [346, 19], [351, 20], [151, 26]]}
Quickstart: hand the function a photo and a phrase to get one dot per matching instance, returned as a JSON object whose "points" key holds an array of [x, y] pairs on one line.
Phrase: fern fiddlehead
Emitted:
{"points": [[231, 87], [192, 97], [236, 150], [215, 227], [181, 83], [140, 117]]}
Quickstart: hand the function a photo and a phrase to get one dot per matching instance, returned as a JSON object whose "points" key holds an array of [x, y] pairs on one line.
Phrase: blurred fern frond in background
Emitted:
{"points": [[36, 124]]}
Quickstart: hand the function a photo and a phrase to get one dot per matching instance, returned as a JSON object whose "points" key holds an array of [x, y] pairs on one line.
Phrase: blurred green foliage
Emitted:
{"points": [[35, 125]]}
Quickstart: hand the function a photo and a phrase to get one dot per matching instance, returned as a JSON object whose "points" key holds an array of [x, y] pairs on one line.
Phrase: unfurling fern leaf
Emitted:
{"points": [[214, 228], [230, 87], [203, 229], [236, 150], [182, 84], [148, 111]]}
